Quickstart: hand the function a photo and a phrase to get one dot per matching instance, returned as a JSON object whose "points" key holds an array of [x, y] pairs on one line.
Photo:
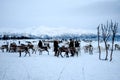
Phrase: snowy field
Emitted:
{"points": [[48, 67]]}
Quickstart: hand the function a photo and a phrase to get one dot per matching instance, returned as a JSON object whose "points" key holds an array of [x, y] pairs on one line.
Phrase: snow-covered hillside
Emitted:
{"points": [[48, 67]]}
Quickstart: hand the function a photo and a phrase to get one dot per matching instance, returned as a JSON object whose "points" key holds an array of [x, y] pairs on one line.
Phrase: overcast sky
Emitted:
{"points": [[56, 16]]}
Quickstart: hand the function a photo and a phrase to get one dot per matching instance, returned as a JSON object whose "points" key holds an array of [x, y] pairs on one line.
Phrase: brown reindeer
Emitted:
{"points": [[4, 47], [67, 50], [31, 46], [63, 49], [22, 48], [13, 47]]}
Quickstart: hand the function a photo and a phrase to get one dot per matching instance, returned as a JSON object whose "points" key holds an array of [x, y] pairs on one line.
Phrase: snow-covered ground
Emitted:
{"points": [[48, 67]]}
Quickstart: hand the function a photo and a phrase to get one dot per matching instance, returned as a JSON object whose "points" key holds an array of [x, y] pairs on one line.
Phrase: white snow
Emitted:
{"points": [[48, 67]]}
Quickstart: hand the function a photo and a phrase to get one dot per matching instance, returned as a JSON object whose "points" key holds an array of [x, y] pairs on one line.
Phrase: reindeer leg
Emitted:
{"points": [[6, 49], [28, 53], [76, 53], [61, 54], [57, 53], [20, 54], [47, 51], [2, 50], [40, 52], [25, 53], [67, 54], [33, 50]]}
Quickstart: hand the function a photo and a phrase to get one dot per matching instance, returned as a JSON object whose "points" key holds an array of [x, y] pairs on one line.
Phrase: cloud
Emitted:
{"points": [[56, 16], [57, 30], [98, 8]]}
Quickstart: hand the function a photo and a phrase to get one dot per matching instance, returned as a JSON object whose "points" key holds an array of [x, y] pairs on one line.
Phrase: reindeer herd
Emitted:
{"points": [[13, 47], [20, 48]]}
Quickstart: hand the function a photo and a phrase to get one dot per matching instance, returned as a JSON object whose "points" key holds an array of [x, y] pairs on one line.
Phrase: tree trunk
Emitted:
{"points": [[112, 48], [106, 58], [99, 42], [99, 52]]}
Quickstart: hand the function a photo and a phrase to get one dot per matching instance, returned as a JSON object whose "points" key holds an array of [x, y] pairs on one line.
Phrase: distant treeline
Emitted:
{"points": [[6, 37], [81, 37]]}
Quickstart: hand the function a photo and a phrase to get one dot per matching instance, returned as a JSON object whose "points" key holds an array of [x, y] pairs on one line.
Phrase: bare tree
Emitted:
{"points": [[114, 27], [105, 36], [98, 33]]}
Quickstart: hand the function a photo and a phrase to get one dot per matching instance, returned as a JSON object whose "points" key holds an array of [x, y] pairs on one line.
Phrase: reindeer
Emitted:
{"points": [[63, 49], [13, 47], [22, 48], [67, 50], [88, 48], [44, 48], [31, 46], [4, 47], [77, 46], [117, 47]]}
